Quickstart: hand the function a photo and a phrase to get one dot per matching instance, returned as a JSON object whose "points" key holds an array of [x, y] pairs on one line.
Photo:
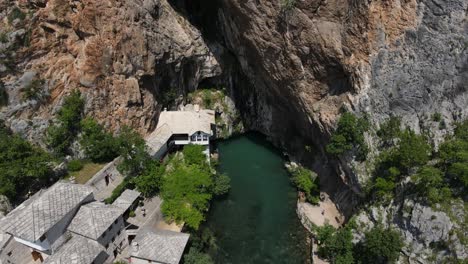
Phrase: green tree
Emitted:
{"points": [[194, 256], [222, 184], [133, 151], [384, 188], [149, 182], [413, 150], [23, 166], [380, 245], [335, 245], [98, 145], [390, 130], [303, 179], [193, 154], [430, 184], [186, 191], [62, 135], [348, 135], [454, 155]]}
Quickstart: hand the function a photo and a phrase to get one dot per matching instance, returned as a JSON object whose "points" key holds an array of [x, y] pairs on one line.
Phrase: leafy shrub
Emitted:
{"points": [[22, 165], [98, 144], [186, 192], [430, 184], [304, 180], [16, 13], [287, 4], [193, 154], [222, 184], [436, 117], [335, 245], [390, 129], [34, 90], [127, 183], [348, 135], [61, 136], [133, 150], [454, 156], [194, 256], [149, 182], [384, 188], [413, 150], [380, 246], [75, 165], [132, 213]]}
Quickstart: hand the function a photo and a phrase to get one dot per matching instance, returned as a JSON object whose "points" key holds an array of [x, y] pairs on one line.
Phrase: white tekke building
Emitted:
{"points": [[191, 125]]}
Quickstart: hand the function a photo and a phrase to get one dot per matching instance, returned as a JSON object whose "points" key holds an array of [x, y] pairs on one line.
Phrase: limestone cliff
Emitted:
{"points": [[124, 56], [289, 65], [305, 60]]}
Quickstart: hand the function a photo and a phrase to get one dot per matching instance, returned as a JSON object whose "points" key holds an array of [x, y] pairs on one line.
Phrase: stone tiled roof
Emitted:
{"points": [[37, 215], [126, 199], [179, 122], [93, 219], [78, 250], [162, 246]]}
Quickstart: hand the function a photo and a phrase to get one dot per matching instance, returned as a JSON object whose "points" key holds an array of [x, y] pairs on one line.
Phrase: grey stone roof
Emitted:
{"points": [[37, 215], [162, 246], [78, 250], [179, 122], [93, 219], [126, 199]]}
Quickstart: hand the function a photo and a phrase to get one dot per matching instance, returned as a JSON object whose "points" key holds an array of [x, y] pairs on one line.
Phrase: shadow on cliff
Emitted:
{"points": [[278, 113]]}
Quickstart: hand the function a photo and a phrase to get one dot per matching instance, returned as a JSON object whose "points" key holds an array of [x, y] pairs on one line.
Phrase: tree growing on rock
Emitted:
{"points": [[60, 136], [349, 135], [380, 245]]}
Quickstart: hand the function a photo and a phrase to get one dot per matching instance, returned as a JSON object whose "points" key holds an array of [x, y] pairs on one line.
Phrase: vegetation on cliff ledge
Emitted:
{"points": [[61, 135], [349, 136], [306, 182], [380, 245], [23, 166]]}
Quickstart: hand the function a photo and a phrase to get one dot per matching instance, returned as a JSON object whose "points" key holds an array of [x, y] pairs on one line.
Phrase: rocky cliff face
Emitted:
{"points": [[126, 57], [289, 65], [306, 60]]}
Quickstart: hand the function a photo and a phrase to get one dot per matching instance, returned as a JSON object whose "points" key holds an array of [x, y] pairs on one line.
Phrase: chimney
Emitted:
{"points": [[197, 108], [165, 109]]}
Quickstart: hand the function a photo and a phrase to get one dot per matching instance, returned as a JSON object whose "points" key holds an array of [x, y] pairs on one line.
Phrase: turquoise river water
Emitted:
{"points": [[256, 222]]}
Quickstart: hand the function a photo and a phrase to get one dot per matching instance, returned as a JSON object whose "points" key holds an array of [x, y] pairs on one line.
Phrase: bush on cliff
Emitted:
{"points": [[430, 184], [454, 156], [380, 245], [349, 135], [335, 245], [23, 166], [305, 181], [61, 135], [390, 130]]}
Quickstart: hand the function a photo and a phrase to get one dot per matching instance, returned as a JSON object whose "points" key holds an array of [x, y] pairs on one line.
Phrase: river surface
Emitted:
{"points": [[256, 222]]}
